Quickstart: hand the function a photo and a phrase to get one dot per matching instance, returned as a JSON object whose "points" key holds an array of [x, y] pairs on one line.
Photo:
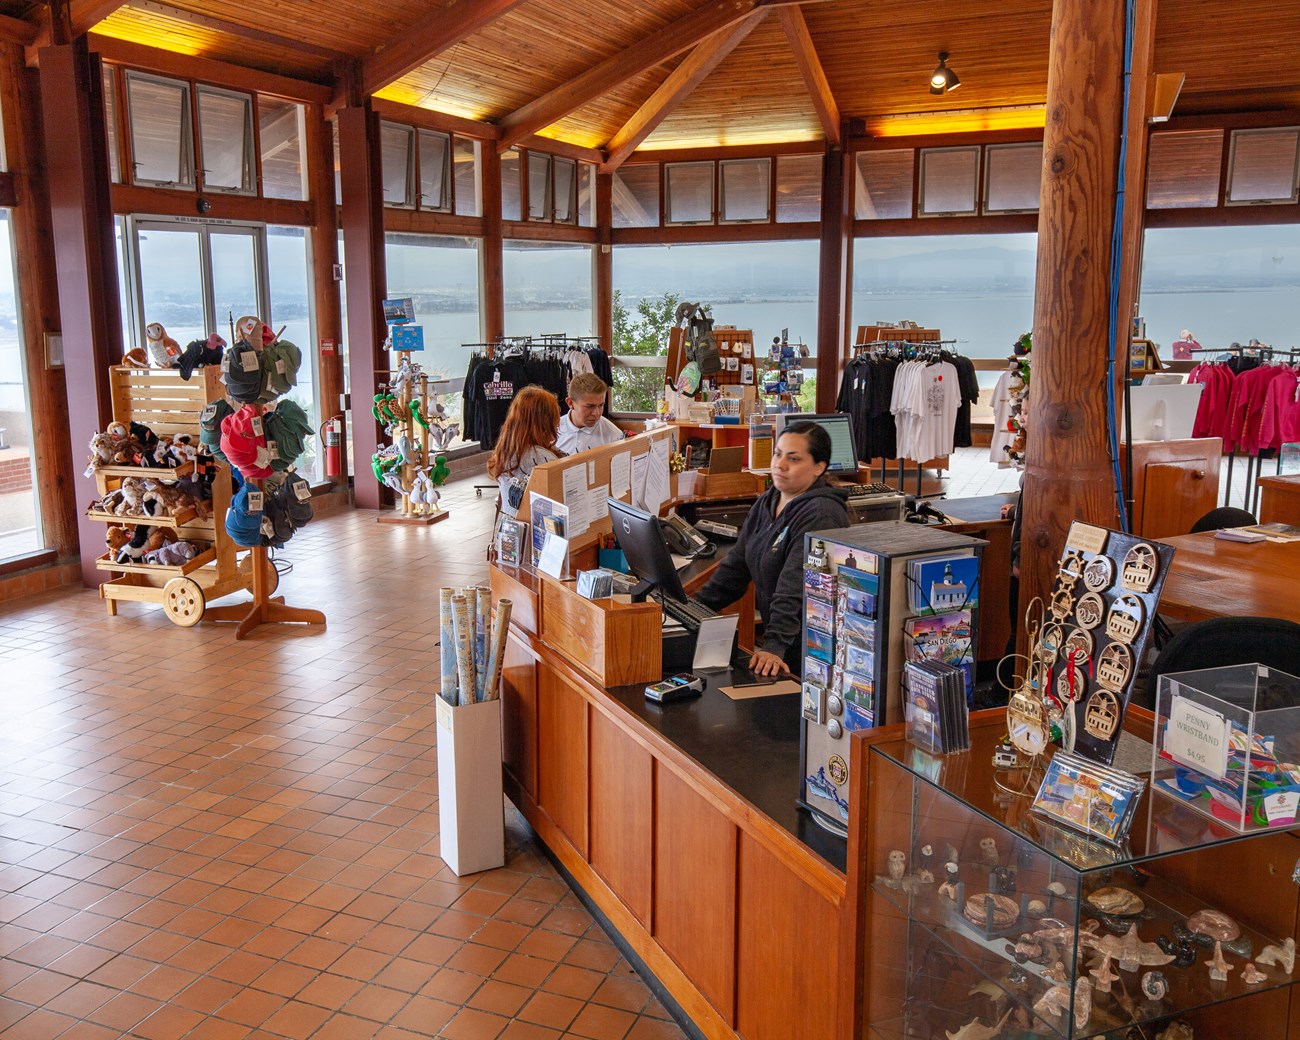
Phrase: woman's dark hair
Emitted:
{"points": [[819, 441]]}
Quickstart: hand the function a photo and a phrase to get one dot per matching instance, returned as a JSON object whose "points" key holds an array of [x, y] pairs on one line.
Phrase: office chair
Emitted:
{"points": [[1226, 516], [1219, 642]]}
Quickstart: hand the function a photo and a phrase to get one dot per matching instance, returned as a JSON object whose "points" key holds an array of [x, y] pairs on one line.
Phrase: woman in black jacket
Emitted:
{"points": [[769, 548]]}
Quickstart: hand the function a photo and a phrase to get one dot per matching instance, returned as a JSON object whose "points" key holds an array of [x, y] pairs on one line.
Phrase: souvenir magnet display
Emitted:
{"points": [[1098, 574], [1090, 611], [1140, 568], [1124, 621]]}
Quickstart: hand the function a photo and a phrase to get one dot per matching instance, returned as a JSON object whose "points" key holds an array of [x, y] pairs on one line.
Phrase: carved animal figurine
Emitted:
{"points": [[897, 864], [975, 1030], [1082, 1002], [1102, 974], [1251, 975], [1130, 952], [1282, 956], [1054, 1002], [989, 852], [1218, 964]]}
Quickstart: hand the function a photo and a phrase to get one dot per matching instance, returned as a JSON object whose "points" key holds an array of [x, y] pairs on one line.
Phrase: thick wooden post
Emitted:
{"points": [[832, 287], [38, 304], [363, 252], [604, 261], [1069, 473], [324, 258], [81, 218], [492, 296]]}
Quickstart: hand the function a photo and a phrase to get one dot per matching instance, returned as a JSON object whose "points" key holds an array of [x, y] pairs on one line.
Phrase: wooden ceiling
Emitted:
{"points": [[492, 60]]}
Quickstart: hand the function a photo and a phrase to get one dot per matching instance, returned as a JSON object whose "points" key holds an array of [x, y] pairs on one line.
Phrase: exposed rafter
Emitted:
{"points": [[810, 67], [655, 49], [16, 30], [440, 29], [679, 84], [248, 32], [84, 15]]}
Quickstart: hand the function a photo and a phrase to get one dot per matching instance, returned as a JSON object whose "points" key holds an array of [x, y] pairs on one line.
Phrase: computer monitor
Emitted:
{"points": [[844, 456], [639, 536]]}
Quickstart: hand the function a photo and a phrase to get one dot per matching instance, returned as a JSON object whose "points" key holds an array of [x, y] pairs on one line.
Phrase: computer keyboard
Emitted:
{"points": [[688, 614], [874, 488], [720, 530]]}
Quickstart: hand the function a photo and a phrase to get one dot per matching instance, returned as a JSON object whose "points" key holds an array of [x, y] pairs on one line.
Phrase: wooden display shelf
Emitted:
{"points": [[612, 643], [159, 569], [164, 473], [204, 523]]}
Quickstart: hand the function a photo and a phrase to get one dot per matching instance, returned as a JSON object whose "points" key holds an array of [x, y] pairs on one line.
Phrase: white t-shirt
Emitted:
{"points": [[572, 439]]}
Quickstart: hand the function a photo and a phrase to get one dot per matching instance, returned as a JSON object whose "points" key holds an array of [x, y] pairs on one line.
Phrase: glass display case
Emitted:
{"points": [[986, 919]]}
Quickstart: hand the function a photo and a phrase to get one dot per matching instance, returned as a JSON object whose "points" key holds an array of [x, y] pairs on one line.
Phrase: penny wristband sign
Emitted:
{"points": [[1197, 737]]}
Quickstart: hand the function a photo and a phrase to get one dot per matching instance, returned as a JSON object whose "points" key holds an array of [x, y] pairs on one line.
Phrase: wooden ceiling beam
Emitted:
{"points": [[82, 15], [16, 30], [697, 67], [814, 76], [642, 56], [439, 30]]}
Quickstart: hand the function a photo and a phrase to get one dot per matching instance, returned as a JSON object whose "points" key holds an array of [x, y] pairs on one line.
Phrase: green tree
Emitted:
{"points": [[644, 333]]}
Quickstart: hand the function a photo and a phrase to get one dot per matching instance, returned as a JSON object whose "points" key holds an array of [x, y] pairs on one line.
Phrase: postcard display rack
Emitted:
{"points": [[866, 613], [985, 920], [170, 406]]}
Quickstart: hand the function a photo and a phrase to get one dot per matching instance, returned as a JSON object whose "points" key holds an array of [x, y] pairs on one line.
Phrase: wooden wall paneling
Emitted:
{"points": [[603, 261], [695, 850], [324, 257], [621, 823], [519, 712], [833, 291], [129, 198], [492, 297], [38, 303], [1068, 475], [787, 938], [363, 250], [76, 152], [562, 756]]}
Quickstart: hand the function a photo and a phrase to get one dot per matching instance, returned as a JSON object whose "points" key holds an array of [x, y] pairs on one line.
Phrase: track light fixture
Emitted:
{"points": [[943, 79]]}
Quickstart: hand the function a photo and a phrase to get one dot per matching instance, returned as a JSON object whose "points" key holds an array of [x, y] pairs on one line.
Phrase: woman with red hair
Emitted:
{"points": [[527, 439]]}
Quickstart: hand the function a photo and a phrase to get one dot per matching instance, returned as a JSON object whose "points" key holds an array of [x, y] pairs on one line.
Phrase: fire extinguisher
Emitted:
{"points": [[332, 437]]}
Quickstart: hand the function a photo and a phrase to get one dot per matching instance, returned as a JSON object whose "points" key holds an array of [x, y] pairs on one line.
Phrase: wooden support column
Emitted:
{"points": [[324, 258], [81, 219], [363, 252], [38, 303], [1069, 474], [832, 285], [492, 296], [604, 261]]}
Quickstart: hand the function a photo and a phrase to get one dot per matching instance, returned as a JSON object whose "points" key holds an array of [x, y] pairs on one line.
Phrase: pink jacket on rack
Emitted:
{"points": [[1280, 421], [1212, 411]]}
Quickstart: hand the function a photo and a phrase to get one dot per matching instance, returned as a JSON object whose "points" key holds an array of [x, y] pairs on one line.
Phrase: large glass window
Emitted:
{"points": [[162, 141], [234, 276], [171, 281], [397, 156], [511, 195], [284, 148], [288, 275], [948, 181], [547, 288], [226, 135], [1222, 284], [441, 275], [688, 193], [469, 185], [636, 196], [435, 171], [20, 528], [761, 286], [744, 187], [976, 289]]}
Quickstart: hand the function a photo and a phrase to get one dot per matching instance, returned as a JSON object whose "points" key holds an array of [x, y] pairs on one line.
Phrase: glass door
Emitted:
{"points": [[236, 276], [170, 275], [20, 526]]}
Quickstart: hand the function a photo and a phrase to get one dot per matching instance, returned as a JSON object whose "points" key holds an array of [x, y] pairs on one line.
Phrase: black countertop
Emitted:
{"points": [[751, 745]]}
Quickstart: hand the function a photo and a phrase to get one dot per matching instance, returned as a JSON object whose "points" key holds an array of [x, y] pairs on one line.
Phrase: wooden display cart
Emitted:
{"points": [[169, 405]]}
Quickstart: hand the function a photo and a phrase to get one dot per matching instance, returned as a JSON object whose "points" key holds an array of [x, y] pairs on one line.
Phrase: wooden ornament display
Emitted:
{"points": [[412, 465]]}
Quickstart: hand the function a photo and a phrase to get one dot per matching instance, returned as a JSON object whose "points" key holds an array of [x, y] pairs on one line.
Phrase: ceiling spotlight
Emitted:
{"points": [[943, 79]]}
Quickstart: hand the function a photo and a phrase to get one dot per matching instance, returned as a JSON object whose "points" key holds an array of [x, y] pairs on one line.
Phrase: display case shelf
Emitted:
{"points": [[194, 520], [930, 971], [159, 569]]}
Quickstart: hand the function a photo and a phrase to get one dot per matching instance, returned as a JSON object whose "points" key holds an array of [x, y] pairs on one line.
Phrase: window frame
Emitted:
{"points": [[987, 176], [922, 154], [1246, 132], [667, 196], [720, 199], [251, 159], [187, 135]]}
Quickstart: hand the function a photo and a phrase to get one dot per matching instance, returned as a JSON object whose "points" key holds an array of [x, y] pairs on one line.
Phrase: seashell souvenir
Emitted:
{"points": [[1124, 621], [1117, 901], [1101, 717], [1251, 975], [1057, 889], [1218, 964], [1114, 667], [1098, 573], [1036, 907], [1090, 611], [1214, 923], [1155, 985], [1281, 956], [1139, 571], [1003, 909], [1082, 1001]]}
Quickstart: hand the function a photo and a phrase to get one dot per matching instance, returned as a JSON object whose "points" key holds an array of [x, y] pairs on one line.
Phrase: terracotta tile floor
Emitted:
{"points": [[233, 841]]}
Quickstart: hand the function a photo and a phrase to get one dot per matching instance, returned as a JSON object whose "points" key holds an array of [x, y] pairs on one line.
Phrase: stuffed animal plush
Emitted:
{"points": [[116, 537], [165, 500], [173, 554], [135, 358], [164, 351], [131, 497]]}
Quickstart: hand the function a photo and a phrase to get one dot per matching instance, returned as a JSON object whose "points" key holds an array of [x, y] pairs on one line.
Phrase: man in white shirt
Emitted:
{"points": [[584, 426]]}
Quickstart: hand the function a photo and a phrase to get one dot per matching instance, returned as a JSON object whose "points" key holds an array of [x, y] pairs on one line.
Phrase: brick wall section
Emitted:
{"points": [[15, 475]]}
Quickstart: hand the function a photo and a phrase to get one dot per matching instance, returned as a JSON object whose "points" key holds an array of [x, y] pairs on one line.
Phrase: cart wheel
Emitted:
{"points": [[272, 576], [183, 602]]}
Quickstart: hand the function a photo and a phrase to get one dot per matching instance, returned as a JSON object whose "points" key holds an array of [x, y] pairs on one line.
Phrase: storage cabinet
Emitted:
{"points": [[1175, 483]]}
